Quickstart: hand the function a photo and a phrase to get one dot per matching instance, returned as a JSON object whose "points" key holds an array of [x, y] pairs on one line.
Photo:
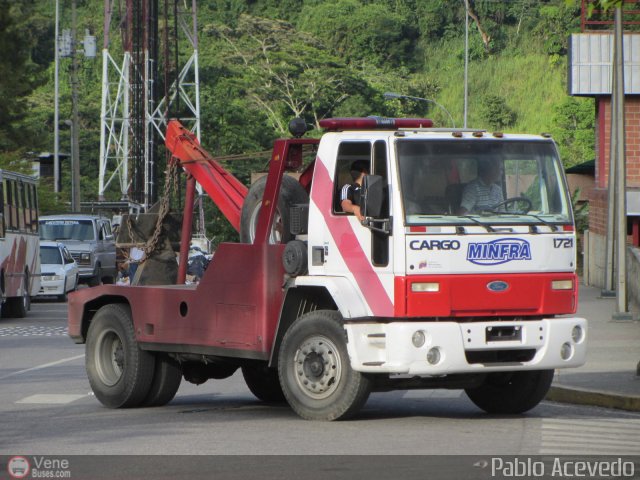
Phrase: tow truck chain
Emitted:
{"points": [[170, 182]]}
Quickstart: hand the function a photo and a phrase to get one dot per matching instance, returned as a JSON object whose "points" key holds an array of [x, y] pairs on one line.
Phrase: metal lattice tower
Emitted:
{"points": [[142, 90]]}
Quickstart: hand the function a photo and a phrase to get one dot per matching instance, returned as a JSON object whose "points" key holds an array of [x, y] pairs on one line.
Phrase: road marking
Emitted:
{"points": [[590, 436], [51, 399], [33, 331], [40, 367]]}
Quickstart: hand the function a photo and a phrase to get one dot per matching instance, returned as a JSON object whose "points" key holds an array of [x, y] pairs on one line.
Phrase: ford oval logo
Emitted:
{"points": [[497, 286]]}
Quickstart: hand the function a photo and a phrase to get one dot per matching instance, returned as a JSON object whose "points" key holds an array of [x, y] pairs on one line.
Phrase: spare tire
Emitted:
{"points": [[291, 193]]}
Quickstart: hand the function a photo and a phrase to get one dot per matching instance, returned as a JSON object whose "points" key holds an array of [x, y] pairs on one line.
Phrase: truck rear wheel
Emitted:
{"points": [[263, 383], [167, 376], [120, 373], [291, 193], [511, 392], [315, 373]]}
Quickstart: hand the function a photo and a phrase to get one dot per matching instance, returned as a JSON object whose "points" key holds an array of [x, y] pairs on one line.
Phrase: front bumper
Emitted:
{"points": [[51, 287], [467, 347]]}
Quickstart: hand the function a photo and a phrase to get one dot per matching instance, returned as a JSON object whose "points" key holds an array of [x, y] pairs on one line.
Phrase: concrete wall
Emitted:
{"points": [[594, 263], [633, 275]]}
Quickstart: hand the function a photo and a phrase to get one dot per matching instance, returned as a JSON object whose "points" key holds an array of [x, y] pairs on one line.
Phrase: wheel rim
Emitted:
{"points": [[277, 229], [109, 357], [318, 367]]}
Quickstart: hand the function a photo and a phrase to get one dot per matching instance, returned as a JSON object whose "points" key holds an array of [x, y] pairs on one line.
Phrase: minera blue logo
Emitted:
{"points": [[499, 251]]}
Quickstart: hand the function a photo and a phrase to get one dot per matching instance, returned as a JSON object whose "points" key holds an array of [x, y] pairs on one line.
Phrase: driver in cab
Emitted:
{"points": [[483, 193]]}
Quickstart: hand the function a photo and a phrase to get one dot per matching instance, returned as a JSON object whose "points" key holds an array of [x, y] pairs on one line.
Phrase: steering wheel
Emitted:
{"points": [[527, 205]]}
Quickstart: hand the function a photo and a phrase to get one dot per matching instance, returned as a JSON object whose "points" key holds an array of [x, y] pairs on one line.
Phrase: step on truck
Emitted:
{"points": [[460, 275]]}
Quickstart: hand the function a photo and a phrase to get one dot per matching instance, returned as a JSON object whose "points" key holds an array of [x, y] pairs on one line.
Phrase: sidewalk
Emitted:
{"points": [[608, 378]]}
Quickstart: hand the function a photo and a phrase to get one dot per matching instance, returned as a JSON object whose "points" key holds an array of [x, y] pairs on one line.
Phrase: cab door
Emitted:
{"points": [[343, 246]]}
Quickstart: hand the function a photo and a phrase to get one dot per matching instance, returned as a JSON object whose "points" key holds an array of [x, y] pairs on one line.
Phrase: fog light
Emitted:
{"points": [[433, 356], [562, 285], [425, 287], [418, 338], [577, 334], [566, 351]]}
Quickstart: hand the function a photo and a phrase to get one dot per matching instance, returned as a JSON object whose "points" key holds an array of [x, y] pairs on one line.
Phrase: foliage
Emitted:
{"points": [[573, 127], [555, 22], [497, 113], [361, 32], [264, 61]]}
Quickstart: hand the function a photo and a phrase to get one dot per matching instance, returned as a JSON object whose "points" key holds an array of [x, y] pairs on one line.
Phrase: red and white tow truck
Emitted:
{"points": [[319, 309]]}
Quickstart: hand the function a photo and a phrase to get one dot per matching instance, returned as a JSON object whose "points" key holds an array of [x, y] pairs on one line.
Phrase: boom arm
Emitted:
{"points": [[226, 191]]}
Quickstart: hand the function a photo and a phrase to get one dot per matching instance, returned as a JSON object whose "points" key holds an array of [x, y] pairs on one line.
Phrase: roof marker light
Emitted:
{"points": [[478, 134]]}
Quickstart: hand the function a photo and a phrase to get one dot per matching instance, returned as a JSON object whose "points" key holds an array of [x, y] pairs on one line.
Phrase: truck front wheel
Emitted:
{"points": [[120, 373], [314, 369], [511, 392]]}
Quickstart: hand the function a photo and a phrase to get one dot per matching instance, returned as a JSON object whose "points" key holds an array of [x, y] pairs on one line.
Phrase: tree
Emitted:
{"points": [[573, 127], [284, 73], [361, 32], [19, 73]]}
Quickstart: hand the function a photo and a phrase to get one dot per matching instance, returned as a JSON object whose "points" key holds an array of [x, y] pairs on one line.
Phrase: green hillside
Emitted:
{"points": [[264, 61]]}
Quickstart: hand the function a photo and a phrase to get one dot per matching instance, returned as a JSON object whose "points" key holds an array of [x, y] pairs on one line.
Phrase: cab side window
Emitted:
{"points": [[348, 153]]}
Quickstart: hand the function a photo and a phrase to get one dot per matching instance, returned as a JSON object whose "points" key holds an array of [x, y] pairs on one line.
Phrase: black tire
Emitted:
{"points": [[96, 279], [511, 392], [167, 376], [62, 297], [263, 383], [120, 373], [314, 369], [291, 193], [17, 307]]}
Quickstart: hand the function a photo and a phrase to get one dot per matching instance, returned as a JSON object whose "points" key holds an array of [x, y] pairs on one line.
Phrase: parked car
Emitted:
{"points": [[90, 241], [60, 272]]}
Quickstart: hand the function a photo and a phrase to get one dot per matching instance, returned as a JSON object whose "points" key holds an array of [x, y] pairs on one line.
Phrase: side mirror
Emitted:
{"points": [[372, 195]]}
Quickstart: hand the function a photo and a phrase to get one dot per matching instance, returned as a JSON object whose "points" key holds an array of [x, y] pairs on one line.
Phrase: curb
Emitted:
{"points": [[594, 398]]}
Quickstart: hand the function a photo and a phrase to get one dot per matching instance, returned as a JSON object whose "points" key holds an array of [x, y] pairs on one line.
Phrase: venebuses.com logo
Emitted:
{"points": [[38, 467]]}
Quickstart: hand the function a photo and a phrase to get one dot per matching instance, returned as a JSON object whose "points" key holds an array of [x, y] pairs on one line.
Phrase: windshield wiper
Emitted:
{"points": [[477, 222], [541, 220]]}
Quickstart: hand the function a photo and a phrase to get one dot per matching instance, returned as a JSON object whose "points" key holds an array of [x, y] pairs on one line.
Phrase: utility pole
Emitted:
{"points": [[622, 303], [466, 61], [75, 144], [56, 107]]}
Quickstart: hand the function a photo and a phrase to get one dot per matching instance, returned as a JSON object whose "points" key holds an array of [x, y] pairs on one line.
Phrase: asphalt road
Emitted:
{"points": [[47, 408]]}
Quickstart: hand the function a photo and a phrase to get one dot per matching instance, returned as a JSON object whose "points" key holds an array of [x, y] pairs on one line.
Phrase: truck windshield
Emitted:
{"points": [[67, 230], [488, 181]]}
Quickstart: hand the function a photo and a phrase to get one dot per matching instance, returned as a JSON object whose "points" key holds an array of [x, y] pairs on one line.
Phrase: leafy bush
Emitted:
{"points": [[496, 112]]}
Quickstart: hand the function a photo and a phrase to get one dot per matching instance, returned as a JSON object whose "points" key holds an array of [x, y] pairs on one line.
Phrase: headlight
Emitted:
{"points": [[52, 278]]}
